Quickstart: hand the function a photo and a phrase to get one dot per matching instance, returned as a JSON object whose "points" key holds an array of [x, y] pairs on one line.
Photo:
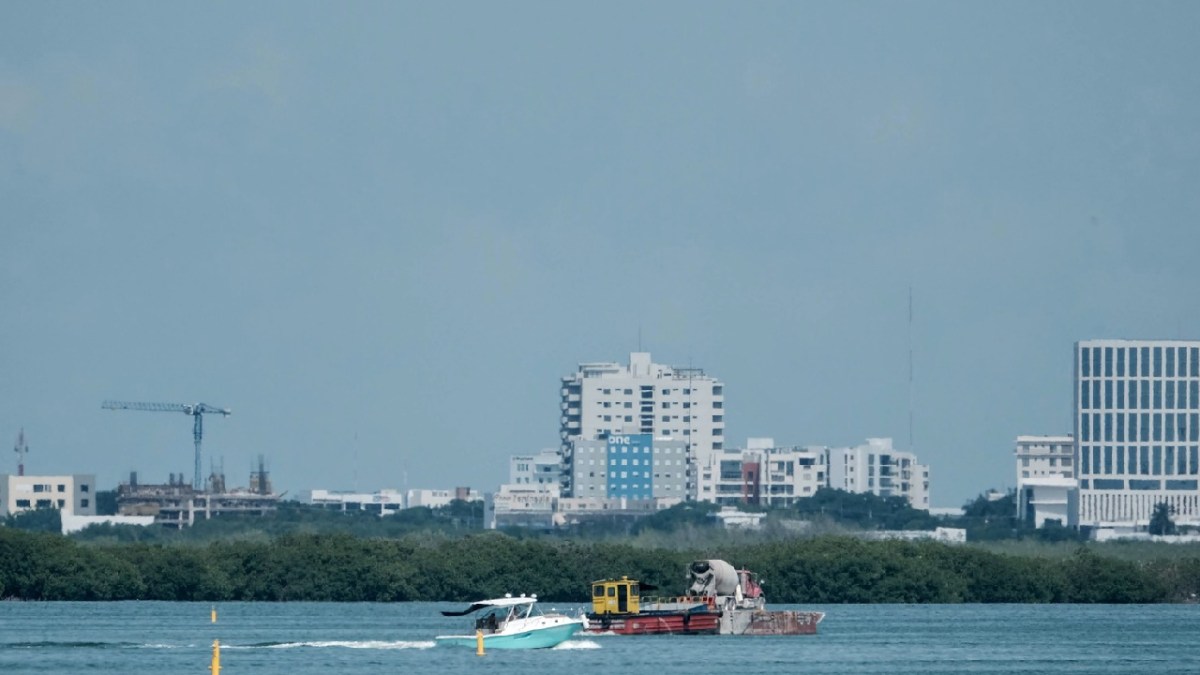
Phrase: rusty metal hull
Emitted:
{"points": [[764, 622], [656, 623]]}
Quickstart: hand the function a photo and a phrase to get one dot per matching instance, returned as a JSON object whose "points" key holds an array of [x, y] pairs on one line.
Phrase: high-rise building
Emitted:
{"points": [[1137, 431], [605, 399]]}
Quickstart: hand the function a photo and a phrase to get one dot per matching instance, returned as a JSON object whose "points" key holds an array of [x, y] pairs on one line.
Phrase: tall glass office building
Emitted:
{"points": [[1137, 430]]}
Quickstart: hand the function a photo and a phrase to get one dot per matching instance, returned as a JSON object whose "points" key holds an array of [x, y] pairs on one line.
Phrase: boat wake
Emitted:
{"points": [[577, 644], [344, 644]]}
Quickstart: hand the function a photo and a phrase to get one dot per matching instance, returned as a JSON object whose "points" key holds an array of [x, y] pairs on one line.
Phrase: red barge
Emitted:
{"points": [[719, 601]]}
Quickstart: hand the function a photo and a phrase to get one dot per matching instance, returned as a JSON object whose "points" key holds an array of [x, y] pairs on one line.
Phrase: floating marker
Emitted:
{"points": [[479, 643], [216, 659], [214, 614]]}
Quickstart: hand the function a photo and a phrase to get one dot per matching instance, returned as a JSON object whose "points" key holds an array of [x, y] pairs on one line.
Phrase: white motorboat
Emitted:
{"points": [[512, 623]]}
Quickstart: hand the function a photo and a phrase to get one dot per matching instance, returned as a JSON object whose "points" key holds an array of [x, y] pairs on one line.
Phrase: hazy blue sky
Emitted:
{"points": [[381, 232]]}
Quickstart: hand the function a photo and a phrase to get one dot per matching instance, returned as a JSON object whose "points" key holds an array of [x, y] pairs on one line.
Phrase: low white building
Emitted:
{"points": [[382, 502], [75, 523], [521, 505], [437, 498], [949, 535], [73, 494], [1048, 498], [733, 519]]}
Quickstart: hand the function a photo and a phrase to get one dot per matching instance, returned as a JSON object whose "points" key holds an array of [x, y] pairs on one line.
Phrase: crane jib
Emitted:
{"points": [[196, 410]]}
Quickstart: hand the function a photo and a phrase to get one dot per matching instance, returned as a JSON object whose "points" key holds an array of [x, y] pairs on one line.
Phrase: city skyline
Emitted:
{"points": [[380, 237]]}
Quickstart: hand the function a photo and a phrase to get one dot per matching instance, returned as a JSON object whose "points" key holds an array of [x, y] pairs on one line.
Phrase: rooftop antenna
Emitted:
{"points": [[910, 370], [21, 449]]}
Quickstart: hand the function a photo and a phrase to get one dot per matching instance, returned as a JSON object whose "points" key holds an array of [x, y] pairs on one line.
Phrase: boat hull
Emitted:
{"points": [[539, 638], [779, 622], [655, 623]]}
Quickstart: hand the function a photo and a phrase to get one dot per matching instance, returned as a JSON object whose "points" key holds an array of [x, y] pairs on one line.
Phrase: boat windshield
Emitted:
{"points": [[494, 618]]}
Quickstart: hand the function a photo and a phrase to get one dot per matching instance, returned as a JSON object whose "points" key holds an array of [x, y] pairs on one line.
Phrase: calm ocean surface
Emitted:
{"points": [[338, 639]]}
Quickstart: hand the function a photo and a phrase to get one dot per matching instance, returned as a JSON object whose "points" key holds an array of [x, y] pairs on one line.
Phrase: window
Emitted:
{"points": [[62, 488], [22, 503]]}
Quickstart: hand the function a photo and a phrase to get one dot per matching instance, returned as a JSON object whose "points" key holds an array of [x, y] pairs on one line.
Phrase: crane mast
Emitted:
{"points": [[196, 410]]}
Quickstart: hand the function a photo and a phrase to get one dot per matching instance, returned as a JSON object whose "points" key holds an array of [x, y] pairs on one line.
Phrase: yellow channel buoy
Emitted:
{"points": [[216, 659], [479, 643]]}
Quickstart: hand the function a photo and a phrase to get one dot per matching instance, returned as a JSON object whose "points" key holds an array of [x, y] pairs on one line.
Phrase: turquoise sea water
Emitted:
{"points": [[336, 639]]}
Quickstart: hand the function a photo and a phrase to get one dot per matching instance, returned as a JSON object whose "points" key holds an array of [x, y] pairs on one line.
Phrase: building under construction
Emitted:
{"points": [[178, 504]]}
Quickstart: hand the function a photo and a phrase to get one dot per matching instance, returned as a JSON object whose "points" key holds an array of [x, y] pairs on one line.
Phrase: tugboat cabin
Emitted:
{"points": [[616, 596]]}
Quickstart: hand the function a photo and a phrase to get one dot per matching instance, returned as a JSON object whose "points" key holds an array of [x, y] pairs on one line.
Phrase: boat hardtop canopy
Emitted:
{"points": [[507, 601]]}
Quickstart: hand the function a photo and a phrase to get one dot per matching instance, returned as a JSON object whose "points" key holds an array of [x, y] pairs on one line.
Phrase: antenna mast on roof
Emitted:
{"points": [[910, 370], [21, 449]]}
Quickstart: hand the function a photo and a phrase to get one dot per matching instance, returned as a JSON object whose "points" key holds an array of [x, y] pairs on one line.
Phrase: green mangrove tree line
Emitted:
{"points": [[340, 567]]}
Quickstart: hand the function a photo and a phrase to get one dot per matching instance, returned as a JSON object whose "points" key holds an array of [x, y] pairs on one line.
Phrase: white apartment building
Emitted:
{"points": [[603, 399], [876, 467], [1137, 431], [1042, 456], [764, 475], [1046, 485], [73, 494]]}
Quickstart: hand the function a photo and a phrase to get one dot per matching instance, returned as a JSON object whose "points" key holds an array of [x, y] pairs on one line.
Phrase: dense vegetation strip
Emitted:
{"points": [[426, 566]]}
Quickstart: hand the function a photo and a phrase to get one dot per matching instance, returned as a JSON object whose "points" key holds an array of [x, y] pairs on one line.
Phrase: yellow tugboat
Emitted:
{"points": [[617, 607]]}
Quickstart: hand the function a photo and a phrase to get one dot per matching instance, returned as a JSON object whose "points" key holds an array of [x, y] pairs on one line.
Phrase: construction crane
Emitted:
{"points": [[196, 410]]}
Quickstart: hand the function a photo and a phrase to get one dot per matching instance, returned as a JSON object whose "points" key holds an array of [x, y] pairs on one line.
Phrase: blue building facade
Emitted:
{"points": [[630, 466]]}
